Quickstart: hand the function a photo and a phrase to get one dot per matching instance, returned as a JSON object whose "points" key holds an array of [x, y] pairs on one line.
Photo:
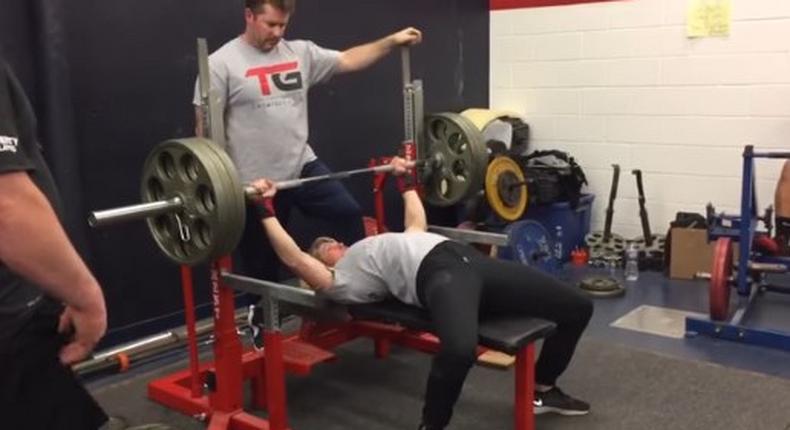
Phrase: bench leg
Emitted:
{"points": [[525, 388], [274, 368]]}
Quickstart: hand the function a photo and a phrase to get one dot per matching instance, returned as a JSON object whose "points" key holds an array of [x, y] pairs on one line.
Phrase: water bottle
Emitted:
{"points": [[631, 263], [558, 246]]}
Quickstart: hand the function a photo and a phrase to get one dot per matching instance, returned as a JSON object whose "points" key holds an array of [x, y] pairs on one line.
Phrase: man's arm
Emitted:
{"points": [[34, 246], [362, 56]]}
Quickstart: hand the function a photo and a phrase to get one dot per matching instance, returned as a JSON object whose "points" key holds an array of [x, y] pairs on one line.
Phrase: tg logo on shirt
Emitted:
{"points": [[279, 75]]}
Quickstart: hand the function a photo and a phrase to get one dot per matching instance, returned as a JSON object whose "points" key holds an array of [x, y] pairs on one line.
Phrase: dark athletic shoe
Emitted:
{"points": [[558, 402]]}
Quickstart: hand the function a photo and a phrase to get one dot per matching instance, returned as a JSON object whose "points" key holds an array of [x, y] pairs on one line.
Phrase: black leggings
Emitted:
{"points": [[458, 285]]}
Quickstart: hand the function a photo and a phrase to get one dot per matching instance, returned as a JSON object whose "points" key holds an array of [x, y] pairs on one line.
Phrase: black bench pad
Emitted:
{"points": [[507, 334]]}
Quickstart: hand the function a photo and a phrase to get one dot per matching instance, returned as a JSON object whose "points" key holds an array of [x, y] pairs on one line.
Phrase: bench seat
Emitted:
{"points": [[507, 334]]}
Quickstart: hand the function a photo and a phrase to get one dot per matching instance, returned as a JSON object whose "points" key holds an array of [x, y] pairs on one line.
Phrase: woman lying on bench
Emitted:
{"points": [[454, 282]]}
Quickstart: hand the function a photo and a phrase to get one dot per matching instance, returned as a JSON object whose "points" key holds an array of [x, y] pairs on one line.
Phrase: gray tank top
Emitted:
{"points": [[382, 266]]}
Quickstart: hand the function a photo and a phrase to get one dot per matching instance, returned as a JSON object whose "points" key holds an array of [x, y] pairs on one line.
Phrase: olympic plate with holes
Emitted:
{"points": [[456, 159], [530, 244], [211, 221]]}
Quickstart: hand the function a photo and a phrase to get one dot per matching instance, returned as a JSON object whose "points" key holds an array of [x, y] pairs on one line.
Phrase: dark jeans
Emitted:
{"points": [[36, 390], [328, 200], [458, 285]]}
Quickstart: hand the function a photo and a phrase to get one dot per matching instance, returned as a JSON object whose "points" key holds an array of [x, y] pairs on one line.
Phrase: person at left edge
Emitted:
{"points": [[52, 310]]}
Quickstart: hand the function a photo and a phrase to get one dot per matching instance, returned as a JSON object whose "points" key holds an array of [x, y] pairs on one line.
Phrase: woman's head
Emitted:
{"points": [[327, 250]]}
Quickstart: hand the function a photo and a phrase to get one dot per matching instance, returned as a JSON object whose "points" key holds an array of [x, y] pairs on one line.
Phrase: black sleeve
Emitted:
{"points": [[13, 153]]}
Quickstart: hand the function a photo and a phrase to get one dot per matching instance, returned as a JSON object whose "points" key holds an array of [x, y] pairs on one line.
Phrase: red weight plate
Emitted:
{"points": [[721, 272]]}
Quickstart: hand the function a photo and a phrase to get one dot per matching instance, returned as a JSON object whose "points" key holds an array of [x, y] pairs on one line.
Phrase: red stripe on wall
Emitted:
{"points": [[516, 4]]}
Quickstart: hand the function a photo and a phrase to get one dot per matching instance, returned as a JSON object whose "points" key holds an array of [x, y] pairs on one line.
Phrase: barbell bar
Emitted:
{"points": [[133, 212], [294, 183], [140, 211], [194, 203]]}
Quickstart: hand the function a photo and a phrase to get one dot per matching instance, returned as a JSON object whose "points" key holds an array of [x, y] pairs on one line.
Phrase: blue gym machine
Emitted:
{"points": [[748, 275]]}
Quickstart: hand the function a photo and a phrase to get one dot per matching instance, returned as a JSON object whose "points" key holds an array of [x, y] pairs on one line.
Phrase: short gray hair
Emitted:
{"points": [[315, 247]]}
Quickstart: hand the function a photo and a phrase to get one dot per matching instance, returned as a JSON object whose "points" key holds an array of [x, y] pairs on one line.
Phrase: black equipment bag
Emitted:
{"points": [[553, 176]]}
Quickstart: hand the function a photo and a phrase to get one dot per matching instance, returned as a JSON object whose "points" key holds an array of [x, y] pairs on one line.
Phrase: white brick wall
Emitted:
{"points": [[619, 82]]}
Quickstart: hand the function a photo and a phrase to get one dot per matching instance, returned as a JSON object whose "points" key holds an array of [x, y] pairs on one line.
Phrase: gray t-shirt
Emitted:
{"points": [[381, 266], [264, 97]]}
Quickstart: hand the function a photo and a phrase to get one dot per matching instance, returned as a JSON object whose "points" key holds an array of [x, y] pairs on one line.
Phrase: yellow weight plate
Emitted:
{"points": [[506, 190]]}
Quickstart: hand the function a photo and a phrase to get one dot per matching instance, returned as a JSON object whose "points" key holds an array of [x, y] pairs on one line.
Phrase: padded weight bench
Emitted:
{"points": [[213, 390], [514, 335]]}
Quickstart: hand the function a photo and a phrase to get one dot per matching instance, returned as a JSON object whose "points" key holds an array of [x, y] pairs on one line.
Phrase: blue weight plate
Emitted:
{"points": [[530, 244]]}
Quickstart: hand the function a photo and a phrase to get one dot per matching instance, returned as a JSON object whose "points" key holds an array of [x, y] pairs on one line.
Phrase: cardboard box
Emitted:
{"points": [[690, 253]]}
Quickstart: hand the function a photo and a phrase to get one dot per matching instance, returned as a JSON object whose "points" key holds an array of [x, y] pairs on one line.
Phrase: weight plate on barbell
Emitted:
{"points": [[211, 220], [506, 191], [456, 159], [237, 217], [166, 170], [226, 239]]}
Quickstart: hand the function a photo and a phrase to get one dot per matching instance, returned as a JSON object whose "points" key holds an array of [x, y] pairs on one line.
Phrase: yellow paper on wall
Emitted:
{"points": [[708, 18]]}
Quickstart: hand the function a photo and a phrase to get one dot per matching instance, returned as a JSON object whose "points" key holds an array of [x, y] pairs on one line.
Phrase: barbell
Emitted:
{"points": [[194, 202], [525, 241]]}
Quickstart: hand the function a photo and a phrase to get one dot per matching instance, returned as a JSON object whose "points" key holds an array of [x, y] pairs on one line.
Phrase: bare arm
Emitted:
{"points": [[414, 218], [34, 245], [309, 269], [302, 264], [363, 56], [413, 212]]}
